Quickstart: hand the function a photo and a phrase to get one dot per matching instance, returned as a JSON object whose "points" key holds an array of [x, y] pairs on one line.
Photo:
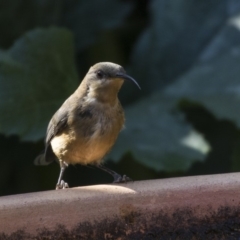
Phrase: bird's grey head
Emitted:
{"points": [[108, 74]]}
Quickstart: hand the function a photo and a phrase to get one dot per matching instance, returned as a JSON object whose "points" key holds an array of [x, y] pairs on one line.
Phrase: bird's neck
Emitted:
{"points": [[104, 95]]}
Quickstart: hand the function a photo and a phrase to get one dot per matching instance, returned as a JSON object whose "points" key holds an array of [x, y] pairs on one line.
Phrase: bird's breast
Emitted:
{"points": [[87, 142]]}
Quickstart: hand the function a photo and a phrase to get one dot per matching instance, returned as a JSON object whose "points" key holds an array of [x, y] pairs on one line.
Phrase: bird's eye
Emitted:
{"points": [[99, 74]]}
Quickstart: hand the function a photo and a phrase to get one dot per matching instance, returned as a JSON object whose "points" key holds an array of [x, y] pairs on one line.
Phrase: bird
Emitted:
{"points": [[85, 128]]}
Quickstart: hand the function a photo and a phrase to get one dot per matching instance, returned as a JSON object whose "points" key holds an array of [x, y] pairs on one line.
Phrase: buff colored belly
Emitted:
{"points": [[73, 150]]}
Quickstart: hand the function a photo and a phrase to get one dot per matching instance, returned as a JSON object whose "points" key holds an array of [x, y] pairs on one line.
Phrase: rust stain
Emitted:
{"points": [[128, 213]]}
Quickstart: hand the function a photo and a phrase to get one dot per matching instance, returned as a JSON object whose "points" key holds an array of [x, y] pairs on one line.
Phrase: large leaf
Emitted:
{"points": [[214, 84], [177, 34], [215, 80], [36, 76], [159, 137]]}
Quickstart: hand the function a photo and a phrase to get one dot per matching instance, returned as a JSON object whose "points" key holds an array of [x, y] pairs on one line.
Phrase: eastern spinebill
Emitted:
{"points": [[86, 126]]}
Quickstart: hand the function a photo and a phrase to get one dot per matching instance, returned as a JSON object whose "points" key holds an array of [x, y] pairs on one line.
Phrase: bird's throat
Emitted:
{"points": [[103, 95]]}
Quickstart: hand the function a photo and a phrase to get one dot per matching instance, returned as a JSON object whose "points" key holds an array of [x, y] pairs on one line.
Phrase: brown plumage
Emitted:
{"points": [[86, 126]]}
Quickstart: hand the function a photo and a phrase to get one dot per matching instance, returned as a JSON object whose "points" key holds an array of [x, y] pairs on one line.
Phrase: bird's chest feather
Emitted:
{"points": [[90, 137]]}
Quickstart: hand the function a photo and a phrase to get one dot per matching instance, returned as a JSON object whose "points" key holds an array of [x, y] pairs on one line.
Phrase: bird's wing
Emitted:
{"points": [[57, 124]]}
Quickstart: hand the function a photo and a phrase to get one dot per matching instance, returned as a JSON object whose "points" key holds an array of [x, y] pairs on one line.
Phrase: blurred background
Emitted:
{"points": [[184, 54]]}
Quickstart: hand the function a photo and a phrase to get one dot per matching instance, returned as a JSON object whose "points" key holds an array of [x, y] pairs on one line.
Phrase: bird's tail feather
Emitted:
{"points": [[40, 160]]}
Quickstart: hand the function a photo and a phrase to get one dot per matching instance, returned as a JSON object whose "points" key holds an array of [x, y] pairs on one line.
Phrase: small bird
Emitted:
{"points": [[86, 126]]}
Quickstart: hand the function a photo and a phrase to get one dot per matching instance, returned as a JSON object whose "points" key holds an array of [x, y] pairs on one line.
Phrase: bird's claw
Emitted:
{"points": [[62, 185], [121, 179]]}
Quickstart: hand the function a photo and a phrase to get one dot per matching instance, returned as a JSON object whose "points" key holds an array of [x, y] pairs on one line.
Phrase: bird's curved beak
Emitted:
{"points": [[125, 76]]}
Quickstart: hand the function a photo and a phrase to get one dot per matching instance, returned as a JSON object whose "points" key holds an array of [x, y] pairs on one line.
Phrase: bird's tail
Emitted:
{"points": [[40, 160]]}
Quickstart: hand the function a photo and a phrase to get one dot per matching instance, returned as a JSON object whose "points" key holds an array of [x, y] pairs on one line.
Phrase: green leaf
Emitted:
{"points": [[158, 136], [36, 75], [215, 84], [177, 35], [178, 32]]}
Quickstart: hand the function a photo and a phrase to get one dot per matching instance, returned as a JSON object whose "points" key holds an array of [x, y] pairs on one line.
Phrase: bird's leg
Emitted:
{"points": [[117, 177], [61, 184]]}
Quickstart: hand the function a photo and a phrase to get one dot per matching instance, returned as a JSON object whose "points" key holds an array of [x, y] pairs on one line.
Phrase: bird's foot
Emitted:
{"points": [[121, 179], [62, 185]]}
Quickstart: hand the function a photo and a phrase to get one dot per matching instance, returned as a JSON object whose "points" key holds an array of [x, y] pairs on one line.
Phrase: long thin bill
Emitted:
{"points": [[125, 76]]}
